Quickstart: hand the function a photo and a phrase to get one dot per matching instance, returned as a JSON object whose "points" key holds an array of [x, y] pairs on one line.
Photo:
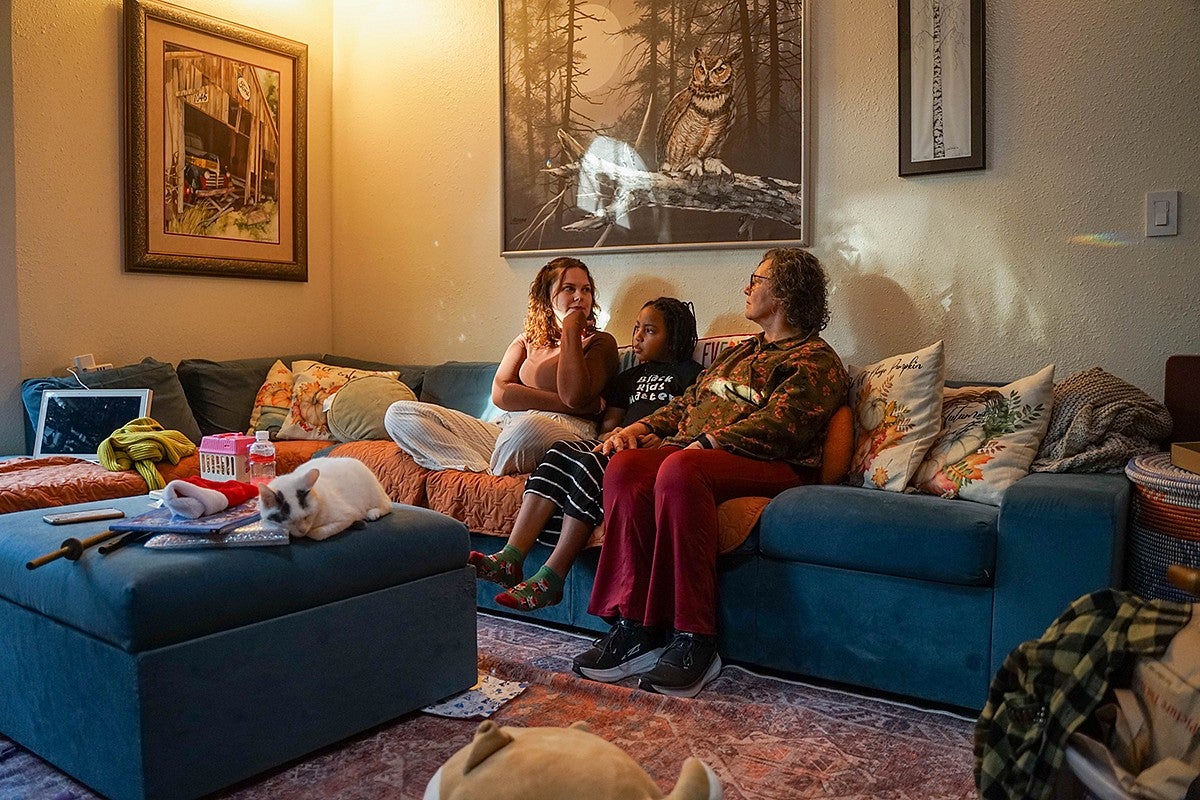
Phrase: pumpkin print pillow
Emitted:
{"points": [[989, 438], [273, 401], [313, 384], [897, 405]]}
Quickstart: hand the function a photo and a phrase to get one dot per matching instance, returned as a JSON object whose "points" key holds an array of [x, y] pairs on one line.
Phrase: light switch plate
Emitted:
{"points": [[1162, 213]]}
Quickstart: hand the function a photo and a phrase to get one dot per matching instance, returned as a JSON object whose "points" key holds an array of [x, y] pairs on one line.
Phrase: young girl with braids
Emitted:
{"points": [[569, 480]]}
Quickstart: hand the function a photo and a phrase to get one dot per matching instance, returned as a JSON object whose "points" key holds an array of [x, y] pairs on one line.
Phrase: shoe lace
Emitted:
{"points": [[681, 649], [614, 642]]}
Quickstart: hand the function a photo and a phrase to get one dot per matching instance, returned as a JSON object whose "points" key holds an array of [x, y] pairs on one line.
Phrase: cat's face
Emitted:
{"points": [[288, 501]]}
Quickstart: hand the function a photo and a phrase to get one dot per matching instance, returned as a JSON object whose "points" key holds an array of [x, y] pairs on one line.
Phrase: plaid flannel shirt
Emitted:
{"points": [[1047, 688]]}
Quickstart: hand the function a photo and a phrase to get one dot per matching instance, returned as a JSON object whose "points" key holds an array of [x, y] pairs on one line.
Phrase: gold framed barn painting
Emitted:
{"points": [[215, 146], [629, 125]]}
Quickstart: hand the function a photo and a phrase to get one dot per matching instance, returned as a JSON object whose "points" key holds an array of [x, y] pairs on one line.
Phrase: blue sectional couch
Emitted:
{"points": [[905, 594]]}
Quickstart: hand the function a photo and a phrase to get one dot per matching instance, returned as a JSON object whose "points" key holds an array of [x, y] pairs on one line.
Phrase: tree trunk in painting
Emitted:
{"points": [[939, 138], [748, 76]]}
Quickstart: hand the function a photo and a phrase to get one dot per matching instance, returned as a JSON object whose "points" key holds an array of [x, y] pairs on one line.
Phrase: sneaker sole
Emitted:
{"points": [[633, 666], [714, 669]]}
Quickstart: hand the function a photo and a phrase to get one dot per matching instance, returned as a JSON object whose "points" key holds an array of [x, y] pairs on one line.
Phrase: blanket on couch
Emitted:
{"points": [[1098, 423]]}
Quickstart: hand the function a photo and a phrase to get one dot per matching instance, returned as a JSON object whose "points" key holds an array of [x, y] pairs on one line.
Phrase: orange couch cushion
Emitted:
{"points": [[485, 503], [402, 478], [27, 483]]}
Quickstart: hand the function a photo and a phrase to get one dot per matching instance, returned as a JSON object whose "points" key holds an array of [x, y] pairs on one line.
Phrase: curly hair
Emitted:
{"points": [[541, 326], [799, 281], [680, 321]]}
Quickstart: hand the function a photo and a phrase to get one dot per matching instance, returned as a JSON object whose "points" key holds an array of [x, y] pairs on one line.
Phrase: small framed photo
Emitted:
{"points": [[941, 86], [215, 147]]}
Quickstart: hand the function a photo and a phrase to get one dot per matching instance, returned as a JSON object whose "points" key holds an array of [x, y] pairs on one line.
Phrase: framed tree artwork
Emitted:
{"points": [[641, 124], [941, 86], [215, 147]]}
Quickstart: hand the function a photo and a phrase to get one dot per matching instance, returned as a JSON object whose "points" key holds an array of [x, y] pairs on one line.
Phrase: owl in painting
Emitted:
{"points": [[697, 121]]}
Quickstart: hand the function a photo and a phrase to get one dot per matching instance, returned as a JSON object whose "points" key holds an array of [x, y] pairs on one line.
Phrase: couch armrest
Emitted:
{"points": [[1059, 536]]}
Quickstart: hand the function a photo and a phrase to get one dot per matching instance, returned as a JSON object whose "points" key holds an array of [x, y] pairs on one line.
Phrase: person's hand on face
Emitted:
{"points": [[574, 323]]}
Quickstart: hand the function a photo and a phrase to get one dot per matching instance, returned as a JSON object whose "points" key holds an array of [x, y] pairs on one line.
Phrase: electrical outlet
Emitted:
{"points": [[86, 361]]}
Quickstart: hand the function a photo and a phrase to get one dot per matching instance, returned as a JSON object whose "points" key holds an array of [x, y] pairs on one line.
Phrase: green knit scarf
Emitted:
{"points": [[141, 444]]}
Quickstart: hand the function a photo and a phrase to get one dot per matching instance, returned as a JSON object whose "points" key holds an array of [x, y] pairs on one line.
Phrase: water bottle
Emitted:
{"points": [[262, 458]]}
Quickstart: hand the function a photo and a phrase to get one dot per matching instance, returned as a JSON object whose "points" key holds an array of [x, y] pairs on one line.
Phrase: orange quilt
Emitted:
{"points": [[27, 483]]}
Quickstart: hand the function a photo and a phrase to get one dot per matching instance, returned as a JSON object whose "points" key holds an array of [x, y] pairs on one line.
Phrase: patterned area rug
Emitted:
{"points": [[767, 739]]}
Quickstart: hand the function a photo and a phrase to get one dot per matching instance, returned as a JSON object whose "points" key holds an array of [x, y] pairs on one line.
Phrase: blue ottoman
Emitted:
{"points": [[171, 674]]}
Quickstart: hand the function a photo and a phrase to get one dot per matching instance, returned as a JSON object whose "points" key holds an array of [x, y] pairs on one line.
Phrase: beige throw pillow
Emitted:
{"points": [[897, 404], [989, 438], [313, 384], [355, 412]]}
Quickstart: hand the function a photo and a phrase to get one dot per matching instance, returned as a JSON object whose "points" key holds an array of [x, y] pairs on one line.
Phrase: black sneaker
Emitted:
{"points": [[689, 663], [627, 649]]}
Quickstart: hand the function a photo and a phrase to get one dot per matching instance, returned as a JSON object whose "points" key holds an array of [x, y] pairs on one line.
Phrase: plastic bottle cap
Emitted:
{"points": [[262, 436]]}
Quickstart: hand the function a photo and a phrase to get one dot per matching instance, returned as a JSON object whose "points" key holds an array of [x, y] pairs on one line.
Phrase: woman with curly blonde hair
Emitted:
{"points": [[548, 384]]}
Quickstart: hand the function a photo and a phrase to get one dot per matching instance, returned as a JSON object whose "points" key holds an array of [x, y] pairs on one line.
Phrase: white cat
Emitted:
{"points": [[323, 497]]}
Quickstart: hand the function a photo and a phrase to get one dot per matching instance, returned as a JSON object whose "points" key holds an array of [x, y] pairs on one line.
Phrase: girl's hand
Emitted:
{"points": [[623, 439], [650, 440]]}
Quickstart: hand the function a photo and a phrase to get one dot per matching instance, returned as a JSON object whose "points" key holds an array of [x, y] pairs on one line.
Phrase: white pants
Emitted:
{"points": [[442, 438]]}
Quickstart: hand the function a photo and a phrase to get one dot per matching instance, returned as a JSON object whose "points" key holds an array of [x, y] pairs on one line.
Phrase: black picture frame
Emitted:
{"points": [[582, 169], [941, 43], [216, 118]]}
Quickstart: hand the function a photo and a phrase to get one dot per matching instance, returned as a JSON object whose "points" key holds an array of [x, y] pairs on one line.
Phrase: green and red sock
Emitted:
{"points": [[503, 568], [543, 588]]}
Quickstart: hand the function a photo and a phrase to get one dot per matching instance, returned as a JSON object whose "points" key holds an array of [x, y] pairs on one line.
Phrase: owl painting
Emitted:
{"points": [[697, 121]]}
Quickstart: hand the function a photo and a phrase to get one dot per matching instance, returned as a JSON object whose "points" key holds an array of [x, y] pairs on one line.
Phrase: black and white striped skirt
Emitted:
{"points": [[572, 477]]}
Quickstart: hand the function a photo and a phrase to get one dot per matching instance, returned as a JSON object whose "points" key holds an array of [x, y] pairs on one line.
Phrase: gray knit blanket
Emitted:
{"points": [[1098, 423]]}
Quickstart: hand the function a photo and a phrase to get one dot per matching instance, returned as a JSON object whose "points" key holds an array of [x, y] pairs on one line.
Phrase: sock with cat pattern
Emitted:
{"points": [[544, 588], [503, 568]]}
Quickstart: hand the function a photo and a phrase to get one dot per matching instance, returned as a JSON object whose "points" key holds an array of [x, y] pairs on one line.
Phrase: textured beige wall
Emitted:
{"points": [[11, 440], [1089, 107], [73, 295]]}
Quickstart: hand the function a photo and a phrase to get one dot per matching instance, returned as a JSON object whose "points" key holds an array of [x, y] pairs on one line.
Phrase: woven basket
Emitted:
{"points": [[1165, 525]]}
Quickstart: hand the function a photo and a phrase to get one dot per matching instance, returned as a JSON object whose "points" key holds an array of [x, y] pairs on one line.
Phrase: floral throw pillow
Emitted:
{"points": [[897, 404], [989, 438], [314, 383], [273, 401]]}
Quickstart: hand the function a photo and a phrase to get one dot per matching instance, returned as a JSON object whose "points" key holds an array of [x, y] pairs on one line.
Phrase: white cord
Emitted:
{"points": [[77, 378]]}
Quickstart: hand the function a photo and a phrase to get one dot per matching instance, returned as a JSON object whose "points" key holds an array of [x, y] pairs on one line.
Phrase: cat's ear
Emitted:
{"points": [[267, 497], [310, 478]]}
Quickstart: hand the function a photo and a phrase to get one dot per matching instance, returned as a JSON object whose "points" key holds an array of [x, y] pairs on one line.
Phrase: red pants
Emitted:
{"points": [[658, 565]]}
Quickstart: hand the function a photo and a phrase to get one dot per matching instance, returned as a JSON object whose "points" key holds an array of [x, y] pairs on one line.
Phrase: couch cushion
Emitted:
{"points": [[897, 406], [989, 438], [462, 385], [273, 401], [169, 405], [139, 599], [221, 393], [411, 374], [314, 385], [357, 409], [485, 503], [402, 478], [912, 536], [27, 483]]}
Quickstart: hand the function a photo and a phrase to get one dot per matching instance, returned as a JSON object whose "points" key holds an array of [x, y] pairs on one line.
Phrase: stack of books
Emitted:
{"points": [[237, 526]]}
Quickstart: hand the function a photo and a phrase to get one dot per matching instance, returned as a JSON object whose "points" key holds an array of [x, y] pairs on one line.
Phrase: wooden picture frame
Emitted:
{"points": [[941, 120], [215, 147], [584, 92]]}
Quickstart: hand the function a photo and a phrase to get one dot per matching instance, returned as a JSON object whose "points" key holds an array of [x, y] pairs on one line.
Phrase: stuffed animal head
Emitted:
{"points": [[557, 764]]}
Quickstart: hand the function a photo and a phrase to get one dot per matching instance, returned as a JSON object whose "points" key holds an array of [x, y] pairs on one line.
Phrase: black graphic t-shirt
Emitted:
{"points": [[647, 387]]}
